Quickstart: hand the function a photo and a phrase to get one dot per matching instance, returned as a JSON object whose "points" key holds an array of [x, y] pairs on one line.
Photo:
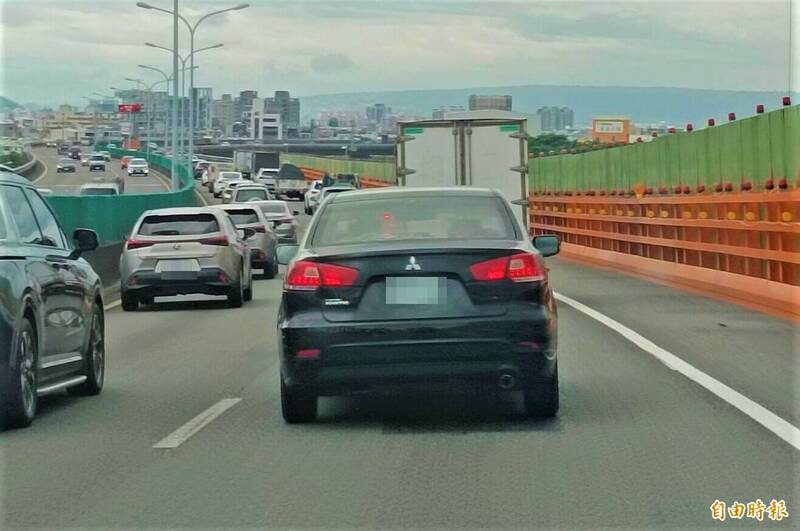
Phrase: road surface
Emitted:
{"points": [[70, 183], [636, 444]]}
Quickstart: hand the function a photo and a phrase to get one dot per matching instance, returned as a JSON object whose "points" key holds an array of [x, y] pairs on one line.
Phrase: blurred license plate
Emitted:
{"points": [[415, 290], [177, 266]]}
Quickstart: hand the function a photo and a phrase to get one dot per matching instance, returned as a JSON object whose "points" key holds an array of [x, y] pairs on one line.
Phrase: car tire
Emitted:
{"points": [[248, 291], [270, 268], [236, 295], [147, 300], [21, 399], [297, 406], [541, 399], [129, 302], [95, 358]]}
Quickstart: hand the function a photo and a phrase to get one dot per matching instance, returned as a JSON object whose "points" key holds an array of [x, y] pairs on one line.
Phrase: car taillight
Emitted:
{"points": [[521, 267], [307, 275], [138, 244], [222, 241]]}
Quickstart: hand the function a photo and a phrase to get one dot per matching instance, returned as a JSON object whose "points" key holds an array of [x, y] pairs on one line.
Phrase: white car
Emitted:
{"points": [[228, 188], [267, 177], [138, 167], [312, 196], [222, 178]]}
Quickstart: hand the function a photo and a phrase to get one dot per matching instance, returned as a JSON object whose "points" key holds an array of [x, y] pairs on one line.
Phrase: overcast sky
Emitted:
{"points": [[59, 50]]}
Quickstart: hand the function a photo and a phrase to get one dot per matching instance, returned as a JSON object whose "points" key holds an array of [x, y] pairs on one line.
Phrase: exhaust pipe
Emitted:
{"points": [[506, 381]]}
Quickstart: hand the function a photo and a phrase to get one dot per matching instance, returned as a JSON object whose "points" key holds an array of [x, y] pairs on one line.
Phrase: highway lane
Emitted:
{"points": [[636, 444], [70, 183]]}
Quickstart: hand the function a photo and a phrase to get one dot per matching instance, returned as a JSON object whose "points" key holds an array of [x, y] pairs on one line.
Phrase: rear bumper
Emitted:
{"points": [[207, 281], [356, 356]]}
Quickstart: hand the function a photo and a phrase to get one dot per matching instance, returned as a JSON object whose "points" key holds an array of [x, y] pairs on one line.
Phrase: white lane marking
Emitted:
{"points": [[783, 429], [112, 305], [179, 436]]}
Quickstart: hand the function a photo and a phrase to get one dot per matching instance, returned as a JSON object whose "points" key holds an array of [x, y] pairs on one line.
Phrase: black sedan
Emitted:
{"points": [[51, 306], [420, 285]]}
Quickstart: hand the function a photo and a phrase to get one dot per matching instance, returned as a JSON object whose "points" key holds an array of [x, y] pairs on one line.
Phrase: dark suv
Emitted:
{"points": [[51, 306]]}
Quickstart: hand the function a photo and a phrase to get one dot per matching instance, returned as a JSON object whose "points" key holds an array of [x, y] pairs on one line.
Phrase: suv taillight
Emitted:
{"points": [[138, 244], [308, 275], [521, 267], [222, 241]]}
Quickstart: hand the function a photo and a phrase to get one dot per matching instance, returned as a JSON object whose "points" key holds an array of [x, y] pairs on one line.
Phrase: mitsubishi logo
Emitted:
{"points": [[412, 265]]}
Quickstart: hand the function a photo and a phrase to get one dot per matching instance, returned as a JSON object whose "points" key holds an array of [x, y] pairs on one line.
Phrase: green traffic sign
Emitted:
{"points": [[413, 130]]}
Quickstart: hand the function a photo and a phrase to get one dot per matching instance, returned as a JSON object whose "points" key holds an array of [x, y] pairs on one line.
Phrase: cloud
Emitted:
{"points": [[331, 63], [325, 46]]}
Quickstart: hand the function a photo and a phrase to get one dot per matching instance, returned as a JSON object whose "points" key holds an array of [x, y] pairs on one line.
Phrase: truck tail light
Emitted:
{"points": [[521, 267]]}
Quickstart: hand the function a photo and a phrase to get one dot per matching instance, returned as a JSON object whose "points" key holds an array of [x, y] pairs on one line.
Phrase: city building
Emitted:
{"points": [[244, 102], [478, 102], [265, 126], [203, 102], [376, 113], [224, 115], [556, 118], [289, 110], [441, 112], [611, 129]]}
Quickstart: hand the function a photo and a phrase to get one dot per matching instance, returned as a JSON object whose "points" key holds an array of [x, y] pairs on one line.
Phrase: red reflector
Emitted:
{"points": [[309, 353], [214, 240], [521, 267], [138, 244], [306, 274]]}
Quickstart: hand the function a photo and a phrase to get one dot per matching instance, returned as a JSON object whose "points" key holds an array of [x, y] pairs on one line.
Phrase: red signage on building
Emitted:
{"points": [[129, 107]]}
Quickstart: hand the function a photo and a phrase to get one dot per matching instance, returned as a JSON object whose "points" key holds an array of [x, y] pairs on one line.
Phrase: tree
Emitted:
{"points": [[549, 141]]}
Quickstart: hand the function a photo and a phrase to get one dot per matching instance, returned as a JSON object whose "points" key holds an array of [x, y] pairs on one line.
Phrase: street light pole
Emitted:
{"points": [[192, 29], [174, 170]]}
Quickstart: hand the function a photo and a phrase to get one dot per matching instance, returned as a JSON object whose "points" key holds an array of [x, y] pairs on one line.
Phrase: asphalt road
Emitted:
{"points": [[636, 444], [70, 183]]}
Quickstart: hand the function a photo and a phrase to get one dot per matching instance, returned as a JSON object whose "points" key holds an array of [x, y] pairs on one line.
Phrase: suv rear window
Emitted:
{"points": [[179, 225], [247, 195], [414, 218], [243, 216]]}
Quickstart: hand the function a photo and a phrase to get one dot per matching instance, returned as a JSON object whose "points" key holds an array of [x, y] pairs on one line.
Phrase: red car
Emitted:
{"points": [[124, 161]]}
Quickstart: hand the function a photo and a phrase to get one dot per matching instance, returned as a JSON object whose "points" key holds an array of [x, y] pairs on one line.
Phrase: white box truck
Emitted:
{"points": [[467, 149]]}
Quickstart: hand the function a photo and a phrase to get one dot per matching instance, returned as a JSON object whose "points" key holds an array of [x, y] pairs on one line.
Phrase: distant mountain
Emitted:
{"points": [[642, 104], [8, 105]]}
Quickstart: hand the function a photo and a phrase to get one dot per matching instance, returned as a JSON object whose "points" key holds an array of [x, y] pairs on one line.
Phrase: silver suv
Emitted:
{"points": [[181, 251], [263, 244]]}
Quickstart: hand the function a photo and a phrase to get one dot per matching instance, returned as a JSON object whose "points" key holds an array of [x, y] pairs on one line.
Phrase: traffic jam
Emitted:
{"points": [[428, 282]]}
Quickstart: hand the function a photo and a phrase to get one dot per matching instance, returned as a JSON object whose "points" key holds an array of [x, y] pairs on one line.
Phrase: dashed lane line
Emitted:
{"points": [[182, 434]]}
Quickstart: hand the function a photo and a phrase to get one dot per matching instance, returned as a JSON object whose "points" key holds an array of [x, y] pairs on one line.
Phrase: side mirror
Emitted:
{"points": [[286, 253], [84, 240], [547, 244], [246, 233]]}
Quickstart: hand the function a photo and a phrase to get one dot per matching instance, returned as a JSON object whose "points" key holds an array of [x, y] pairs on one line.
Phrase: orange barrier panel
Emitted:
{"points": [[753, 236], [313, 174]]}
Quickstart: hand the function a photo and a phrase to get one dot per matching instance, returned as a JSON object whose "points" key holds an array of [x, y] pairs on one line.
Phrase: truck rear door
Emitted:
{"points": [[428, 155], [494, 157]]}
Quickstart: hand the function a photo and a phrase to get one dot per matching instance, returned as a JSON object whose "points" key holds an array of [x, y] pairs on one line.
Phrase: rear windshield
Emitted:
{"points": [[179, 225], [98, 157], [244, 216], [276, 208], [414, 218], [138, 161], [249, 195], [230, 175], [98, 191]]}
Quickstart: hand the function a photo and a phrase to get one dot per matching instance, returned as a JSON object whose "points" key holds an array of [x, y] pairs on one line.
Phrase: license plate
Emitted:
{"points": [[415, 290], [177, 266]]}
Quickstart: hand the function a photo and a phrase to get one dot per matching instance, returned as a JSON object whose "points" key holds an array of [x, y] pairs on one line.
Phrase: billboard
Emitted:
{"points": [[611, 130], [129, 107]]}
